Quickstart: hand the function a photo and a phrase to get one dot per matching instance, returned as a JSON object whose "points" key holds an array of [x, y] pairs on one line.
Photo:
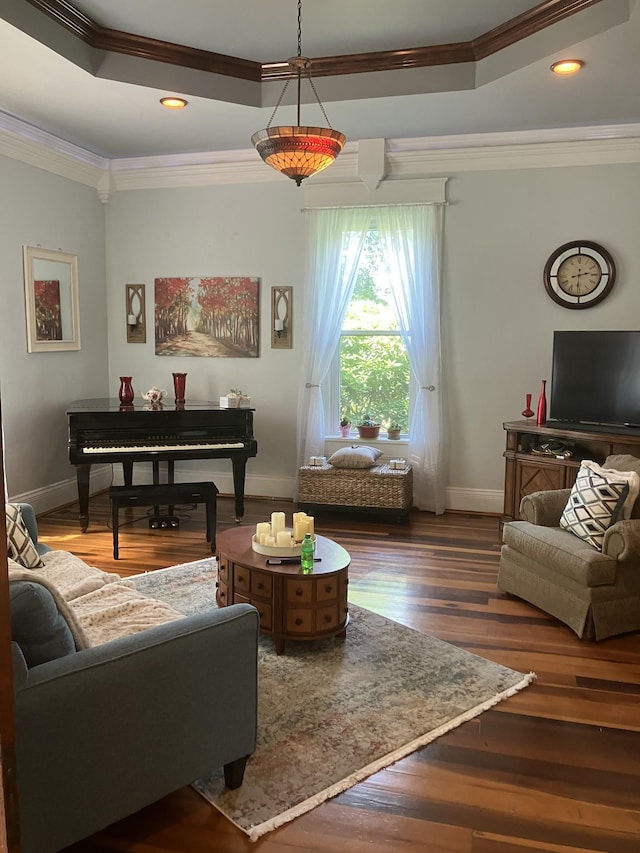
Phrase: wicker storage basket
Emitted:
{"points": [[378, 487]]}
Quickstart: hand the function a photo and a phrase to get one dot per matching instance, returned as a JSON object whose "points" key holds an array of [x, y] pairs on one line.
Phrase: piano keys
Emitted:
{"points": [[116, 447], [105, 431]]}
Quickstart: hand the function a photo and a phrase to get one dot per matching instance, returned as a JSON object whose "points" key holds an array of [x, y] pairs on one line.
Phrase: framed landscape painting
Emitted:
{"points": [[210, 317], [51, 300]]}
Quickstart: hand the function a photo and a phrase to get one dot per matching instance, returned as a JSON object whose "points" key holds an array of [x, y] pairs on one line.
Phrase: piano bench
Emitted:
{"points": [[161, 494]]}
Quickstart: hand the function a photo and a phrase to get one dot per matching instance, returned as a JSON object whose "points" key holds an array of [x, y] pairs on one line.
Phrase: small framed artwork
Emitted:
{"points": [[281, 305], [135, 308], [51, 300]]}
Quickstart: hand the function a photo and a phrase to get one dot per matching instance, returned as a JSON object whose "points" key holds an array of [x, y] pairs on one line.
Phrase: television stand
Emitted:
{"points": [[527, 471]]}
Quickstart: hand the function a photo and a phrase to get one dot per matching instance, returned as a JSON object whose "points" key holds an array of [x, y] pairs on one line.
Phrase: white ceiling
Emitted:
{"points": [[112, 109]]}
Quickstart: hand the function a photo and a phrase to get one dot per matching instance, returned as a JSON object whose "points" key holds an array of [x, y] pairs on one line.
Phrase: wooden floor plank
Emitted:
{"points": [[555, 768]]}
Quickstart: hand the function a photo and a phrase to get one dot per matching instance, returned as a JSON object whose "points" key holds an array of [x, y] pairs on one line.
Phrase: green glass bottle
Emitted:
{"points": [[307, 550]]}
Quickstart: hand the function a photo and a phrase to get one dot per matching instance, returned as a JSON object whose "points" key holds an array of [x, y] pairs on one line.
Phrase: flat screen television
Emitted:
{"points": [[595, 378]]}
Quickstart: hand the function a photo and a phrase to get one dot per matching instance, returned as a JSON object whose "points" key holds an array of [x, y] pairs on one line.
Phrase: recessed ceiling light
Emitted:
{"points": [[173, 103], [567, 66]]}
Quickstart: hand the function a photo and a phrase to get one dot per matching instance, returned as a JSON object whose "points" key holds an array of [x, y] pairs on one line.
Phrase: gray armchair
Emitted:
{"points": [[596, 593], [103, 732]]}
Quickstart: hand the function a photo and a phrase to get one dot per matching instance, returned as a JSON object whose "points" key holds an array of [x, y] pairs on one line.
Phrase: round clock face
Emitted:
{"points": [[579, 274]]}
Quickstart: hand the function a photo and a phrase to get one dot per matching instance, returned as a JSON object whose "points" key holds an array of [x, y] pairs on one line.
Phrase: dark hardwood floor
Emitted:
{"points": [[554, 768]]}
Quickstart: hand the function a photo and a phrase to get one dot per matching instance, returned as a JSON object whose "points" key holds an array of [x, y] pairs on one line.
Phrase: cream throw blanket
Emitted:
{"points": [[99, 606]]}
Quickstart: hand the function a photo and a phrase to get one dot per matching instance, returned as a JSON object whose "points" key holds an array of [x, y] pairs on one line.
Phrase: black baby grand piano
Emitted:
{"points": [[107, 431]]}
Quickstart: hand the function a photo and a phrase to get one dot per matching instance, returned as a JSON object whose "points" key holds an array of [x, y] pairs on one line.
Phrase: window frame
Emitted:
{"points": [[332, 397]]}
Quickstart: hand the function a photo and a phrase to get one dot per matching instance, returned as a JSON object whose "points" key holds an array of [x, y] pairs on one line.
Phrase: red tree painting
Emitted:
{"points": [[213, 317], [47, 305]]}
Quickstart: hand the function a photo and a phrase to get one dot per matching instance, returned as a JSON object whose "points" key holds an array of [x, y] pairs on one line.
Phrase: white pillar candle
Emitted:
{"points": [[283, 539], [299, 529], [310, 525], [263, 528], [269, 541], [277, 523]]}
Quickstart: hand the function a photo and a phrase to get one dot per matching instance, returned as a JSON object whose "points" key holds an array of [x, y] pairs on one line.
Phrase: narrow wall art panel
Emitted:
{"points": [[210, 317]]}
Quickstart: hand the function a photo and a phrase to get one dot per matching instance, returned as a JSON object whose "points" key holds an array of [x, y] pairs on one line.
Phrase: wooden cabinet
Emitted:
{"points": [[528, 471]]}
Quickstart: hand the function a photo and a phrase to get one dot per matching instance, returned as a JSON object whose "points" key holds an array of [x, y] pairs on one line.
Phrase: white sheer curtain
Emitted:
{"points": [[334, 241], [412, 236]]}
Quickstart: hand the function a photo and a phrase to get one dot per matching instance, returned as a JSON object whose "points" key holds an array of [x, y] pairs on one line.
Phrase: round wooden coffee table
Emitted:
{"points": [[292, 606]]}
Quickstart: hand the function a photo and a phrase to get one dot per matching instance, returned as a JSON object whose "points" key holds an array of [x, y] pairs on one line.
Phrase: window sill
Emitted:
{"points": [[383, 438]]}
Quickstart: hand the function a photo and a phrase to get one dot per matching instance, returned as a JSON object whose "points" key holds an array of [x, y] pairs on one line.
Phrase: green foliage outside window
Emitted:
{"points": [[374, 365]]}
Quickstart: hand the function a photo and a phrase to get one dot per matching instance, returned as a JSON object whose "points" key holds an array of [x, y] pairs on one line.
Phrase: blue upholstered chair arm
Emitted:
{"points": [[106, 731]]}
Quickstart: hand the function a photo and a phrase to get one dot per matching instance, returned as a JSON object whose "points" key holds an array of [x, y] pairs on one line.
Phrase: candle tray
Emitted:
{"points": [[274, 550]]}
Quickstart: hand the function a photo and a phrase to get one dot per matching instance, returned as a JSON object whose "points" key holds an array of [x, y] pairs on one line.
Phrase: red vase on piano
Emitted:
{"points": [[126, 392], [179, 382]]}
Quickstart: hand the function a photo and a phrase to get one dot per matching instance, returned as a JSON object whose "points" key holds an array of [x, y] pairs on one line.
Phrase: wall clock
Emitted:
{"points": [[579, 274]]}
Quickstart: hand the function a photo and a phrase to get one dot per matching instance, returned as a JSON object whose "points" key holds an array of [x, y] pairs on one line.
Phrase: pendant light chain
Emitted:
{"points": [[309, 77], [299, 71], [319, 102], [300, 63], [275, 109]]}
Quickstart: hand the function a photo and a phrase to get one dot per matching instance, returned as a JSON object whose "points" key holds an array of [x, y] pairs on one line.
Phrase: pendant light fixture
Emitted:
{"points": [[298, 151]]}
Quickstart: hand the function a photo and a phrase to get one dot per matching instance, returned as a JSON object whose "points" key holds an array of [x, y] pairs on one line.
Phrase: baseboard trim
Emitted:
{"points": [[265, 488], [489, 501], [64, 492]]}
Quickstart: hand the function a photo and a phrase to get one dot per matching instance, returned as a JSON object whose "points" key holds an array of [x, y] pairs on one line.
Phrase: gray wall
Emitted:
{"points": [[215, 231], [498, 322], [38, 208]]}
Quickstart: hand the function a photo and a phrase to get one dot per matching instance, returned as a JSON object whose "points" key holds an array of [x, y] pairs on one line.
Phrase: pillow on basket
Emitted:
{"points": [[19, 544], [355, 457], [599, 498]]}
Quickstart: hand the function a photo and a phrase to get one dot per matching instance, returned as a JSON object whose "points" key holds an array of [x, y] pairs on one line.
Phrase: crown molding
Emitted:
{"points": [[541, 155], [539, 17], [405, 158], [28, 144]]}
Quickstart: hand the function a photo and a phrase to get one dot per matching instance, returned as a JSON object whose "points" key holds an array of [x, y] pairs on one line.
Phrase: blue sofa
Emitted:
{"points": [[103, 732]]}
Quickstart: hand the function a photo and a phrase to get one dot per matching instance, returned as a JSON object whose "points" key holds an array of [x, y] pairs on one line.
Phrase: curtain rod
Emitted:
{"points": [[373, 204]]}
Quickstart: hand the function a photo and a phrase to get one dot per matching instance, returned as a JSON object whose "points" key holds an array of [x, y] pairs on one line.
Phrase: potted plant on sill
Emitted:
{"points": [[393, 431], [345, 427], [368, 428]]}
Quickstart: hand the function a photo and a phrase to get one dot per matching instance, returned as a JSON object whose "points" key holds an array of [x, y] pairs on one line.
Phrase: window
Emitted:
{"points": [[411, 235], [371, 370]]}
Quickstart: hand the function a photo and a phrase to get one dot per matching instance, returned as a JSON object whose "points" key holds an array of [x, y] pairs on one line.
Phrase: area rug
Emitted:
{"points": [[332, 712]]}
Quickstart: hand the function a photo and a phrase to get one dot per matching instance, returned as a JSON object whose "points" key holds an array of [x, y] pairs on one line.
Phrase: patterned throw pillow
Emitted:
{"points": [[598, 499], [19, 543], [355, 457]]}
